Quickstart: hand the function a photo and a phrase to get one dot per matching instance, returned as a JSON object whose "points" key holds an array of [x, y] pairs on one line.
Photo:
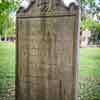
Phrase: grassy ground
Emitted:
{"points": [[7, 68], [90, 74], [89, 67], [90, 62]]}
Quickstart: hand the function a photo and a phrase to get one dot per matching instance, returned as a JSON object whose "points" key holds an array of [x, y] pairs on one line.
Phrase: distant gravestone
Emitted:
{"points": [[85, 38], [47, 45]]}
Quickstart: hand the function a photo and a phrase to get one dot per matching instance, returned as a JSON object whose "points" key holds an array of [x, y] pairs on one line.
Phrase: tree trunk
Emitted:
{"points": [[5, 38], [0, 39]]}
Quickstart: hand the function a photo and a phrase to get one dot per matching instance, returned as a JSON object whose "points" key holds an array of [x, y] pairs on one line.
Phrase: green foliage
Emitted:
{"points": [[87, 7], [90, 17], [7, 8], [87, 24], [98, 27]]}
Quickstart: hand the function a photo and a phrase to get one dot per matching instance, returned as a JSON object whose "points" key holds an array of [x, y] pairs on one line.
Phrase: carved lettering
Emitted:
{"points": [[48, 5]]}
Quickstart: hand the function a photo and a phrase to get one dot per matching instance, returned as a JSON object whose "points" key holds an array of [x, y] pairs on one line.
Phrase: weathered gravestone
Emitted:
{"points": [[85, 37], [47, 42]]}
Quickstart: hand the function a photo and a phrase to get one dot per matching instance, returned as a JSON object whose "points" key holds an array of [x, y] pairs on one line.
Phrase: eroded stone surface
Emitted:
{"points": [[46, 54]]}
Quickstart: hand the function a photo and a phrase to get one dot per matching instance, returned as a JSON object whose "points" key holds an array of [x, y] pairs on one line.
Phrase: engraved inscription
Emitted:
{"points": [[48, 5], [45, 56]]}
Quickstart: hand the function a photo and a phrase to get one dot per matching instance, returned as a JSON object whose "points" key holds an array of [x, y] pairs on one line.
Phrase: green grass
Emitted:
{"points": [[7, 64], [89, 67], [89, 74], [90, 62]]}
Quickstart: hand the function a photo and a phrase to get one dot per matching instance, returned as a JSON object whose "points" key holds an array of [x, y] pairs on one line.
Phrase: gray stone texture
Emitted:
{"points": [[46, 51]]}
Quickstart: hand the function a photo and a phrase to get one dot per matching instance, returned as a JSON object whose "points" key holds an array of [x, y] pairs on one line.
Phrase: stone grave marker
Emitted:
{"points": [[47, 46], [85, 38]]}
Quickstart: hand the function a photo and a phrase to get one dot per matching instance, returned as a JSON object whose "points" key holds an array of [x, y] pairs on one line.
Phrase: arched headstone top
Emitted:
{"points": [[69, 3], [47, 7], [47, 45]]}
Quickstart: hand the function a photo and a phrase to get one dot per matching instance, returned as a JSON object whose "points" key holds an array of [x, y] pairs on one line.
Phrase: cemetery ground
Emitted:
{"points": [[7, 70], [89, 72]]}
